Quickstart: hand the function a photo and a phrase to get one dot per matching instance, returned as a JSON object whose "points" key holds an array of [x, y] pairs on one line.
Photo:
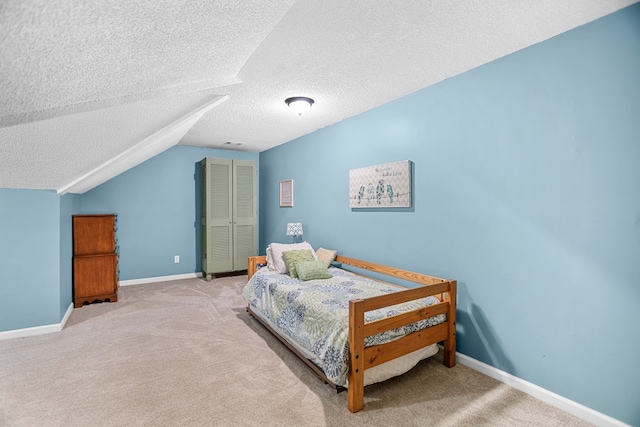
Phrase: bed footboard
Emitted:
{"points": [[362, 358]]}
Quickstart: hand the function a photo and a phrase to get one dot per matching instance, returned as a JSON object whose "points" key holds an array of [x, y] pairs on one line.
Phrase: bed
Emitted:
{"points": [[385, 328]]}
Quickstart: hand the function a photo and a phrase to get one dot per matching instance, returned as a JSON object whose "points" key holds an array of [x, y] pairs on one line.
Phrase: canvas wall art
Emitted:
{"points": [[381, 186], [286, 193]]}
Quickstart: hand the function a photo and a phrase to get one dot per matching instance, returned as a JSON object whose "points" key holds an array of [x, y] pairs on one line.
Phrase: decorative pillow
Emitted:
{"points": [[311, 270], [270, 265], [291, 258], [274, 254], [326, 255]]}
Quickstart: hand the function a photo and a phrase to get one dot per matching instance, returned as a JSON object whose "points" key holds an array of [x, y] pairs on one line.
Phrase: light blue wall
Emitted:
{"points": [[156, 205], [69, 205], [158, 211], [526, 190], [29, 258]]}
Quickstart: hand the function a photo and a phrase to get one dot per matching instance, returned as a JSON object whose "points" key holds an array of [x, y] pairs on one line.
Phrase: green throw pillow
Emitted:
{"points": [[311, 270], [291, 258]]}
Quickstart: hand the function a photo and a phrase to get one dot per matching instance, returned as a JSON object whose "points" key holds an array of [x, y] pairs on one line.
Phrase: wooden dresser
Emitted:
{"points": [[95, 261]]}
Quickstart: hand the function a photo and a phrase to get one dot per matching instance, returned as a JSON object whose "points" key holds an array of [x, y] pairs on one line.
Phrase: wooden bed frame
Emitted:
{"points": [[361, 358]]}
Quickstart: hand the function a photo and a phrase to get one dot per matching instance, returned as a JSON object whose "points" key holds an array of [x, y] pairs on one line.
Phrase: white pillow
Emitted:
{"points": [[274, 254]]}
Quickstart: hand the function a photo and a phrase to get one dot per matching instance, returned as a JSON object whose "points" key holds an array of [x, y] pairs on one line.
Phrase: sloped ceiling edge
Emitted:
{"points": [[151, 146]]}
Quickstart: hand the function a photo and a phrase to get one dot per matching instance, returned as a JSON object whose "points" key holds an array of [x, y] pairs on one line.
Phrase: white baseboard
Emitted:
{"points": [[159, 279], [57, 327], [567, 405], [584, 412], [63, 322], [38, 330]]}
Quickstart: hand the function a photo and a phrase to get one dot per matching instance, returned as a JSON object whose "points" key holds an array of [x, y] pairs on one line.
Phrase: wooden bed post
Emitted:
{"points": [[450, 343], [252, 264], [355, 393]]}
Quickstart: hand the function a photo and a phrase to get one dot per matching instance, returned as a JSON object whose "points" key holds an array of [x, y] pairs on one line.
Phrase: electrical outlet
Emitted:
{"points": [[176, 259]]}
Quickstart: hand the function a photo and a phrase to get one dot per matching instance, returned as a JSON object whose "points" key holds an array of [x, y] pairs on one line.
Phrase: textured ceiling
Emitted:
{"points": [[92, 88]]}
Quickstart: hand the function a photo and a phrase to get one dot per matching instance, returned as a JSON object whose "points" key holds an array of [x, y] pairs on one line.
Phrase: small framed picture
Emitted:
{"points": [[286, 193]]}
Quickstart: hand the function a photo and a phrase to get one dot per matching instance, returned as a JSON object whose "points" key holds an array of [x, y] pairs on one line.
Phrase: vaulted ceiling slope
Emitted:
{"points": [[91, 88]]}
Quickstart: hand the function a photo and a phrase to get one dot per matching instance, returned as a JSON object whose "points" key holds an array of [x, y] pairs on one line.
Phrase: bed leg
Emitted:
{"points": [[355, 392], [450, 343], [449, 354]]}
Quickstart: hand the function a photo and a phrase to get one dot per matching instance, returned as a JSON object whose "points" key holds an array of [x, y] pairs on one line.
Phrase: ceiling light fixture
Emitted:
{"points": [[299, 104]]}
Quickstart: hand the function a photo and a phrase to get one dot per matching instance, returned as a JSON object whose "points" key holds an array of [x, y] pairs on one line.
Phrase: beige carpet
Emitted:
{"points": [[184, 353]]}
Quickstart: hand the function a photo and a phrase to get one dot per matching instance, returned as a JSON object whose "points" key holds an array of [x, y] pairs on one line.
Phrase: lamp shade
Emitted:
{"points": [[294, 229]]}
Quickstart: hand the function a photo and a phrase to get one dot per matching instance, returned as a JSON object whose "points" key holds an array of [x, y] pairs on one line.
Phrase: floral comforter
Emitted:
{"points": [[315, 314]]}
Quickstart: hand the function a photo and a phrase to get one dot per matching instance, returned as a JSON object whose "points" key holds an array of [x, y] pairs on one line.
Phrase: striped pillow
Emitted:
{"points": [[312, 270]]}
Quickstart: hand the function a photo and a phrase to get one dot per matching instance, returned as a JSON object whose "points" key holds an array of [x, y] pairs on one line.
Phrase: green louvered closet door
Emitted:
{"points": [[228, 214]]}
